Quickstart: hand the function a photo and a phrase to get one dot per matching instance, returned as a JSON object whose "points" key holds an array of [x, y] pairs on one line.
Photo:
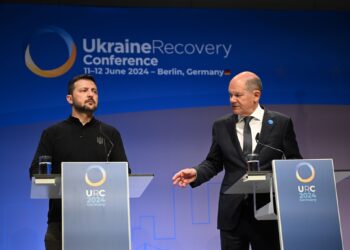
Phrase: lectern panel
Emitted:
{"points": [[307, 204], [95, 205]]}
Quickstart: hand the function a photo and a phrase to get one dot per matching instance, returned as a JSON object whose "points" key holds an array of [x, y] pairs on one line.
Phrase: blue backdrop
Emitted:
{"points": [[163, 76]]}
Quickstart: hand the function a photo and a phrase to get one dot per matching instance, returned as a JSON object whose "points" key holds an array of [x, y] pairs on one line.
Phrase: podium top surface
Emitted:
{"points": [[49, 186], [261, 180], [245, 185], [341, 175]]}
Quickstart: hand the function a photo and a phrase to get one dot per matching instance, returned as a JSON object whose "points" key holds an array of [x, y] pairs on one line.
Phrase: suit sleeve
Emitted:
{"points": [[213, 164], [290, 144]]}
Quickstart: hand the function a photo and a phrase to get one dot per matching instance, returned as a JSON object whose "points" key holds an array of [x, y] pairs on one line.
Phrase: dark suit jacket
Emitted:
{"points": [[226, 153]]}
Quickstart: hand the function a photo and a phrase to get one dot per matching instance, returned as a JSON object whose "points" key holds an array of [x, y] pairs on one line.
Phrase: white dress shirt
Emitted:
{"points": [[255, 126]]}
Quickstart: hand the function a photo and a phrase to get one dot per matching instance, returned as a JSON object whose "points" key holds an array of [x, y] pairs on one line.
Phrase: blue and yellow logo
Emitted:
{"points": [[72, 50], [305, 167], [94, 171]]}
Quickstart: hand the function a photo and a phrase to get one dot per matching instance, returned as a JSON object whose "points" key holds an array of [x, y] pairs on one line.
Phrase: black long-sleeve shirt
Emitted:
{"points": [[70, 141]]}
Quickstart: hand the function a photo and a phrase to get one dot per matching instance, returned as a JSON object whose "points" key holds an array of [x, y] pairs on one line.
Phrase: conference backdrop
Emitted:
{"points": [[162, 76]]}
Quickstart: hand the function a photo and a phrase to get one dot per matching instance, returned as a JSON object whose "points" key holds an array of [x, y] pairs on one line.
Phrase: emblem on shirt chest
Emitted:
{"points": [[99, 140]]}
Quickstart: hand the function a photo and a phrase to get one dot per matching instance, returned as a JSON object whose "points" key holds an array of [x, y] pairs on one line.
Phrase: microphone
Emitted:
{"points": [[109, 140], [268, 146]]}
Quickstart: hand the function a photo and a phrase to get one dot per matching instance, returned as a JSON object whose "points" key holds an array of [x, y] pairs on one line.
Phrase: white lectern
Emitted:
{"points": [[95, 202], [306, 200]]}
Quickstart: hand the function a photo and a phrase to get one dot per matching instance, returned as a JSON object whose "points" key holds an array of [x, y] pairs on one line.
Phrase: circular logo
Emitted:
{"points": [[94, 171], [302, 167], [72, 50]]}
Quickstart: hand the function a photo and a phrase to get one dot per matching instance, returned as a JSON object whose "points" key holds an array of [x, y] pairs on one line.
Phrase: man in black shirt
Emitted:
{"points": [[80, 138]]}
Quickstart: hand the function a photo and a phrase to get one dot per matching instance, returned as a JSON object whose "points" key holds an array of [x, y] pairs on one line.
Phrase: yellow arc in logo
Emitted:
{"points": [[98, 183], [310, 178], [61, 69]]}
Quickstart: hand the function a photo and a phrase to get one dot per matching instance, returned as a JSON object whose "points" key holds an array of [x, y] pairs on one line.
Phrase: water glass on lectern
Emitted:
{"points": [[253, 162], [44, 164]]}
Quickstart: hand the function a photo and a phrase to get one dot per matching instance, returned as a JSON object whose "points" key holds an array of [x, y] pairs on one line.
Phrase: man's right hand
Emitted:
{"points": [[185, 177]]}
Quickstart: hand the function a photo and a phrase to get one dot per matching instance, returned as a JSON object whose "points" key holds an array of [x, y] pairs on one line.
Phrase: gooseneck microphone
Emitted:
{"points": [[268, 146], [104, 142]]}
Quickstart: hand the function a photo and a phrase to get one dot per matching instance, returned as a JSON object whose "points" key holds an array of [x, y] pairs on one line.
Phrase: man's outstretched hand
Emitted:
{"points": [[185, 177]]}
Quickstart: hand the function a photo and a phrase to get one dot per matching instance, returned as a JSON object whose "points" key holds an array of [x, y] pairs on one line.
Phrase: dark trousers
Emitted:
{"points": [[261, 235], [53, 236]]}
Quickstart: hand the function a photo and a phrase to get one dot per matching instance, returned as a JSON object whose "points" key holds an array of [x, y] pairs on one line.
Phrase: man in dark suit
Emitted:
{"points": [[230, 144]]}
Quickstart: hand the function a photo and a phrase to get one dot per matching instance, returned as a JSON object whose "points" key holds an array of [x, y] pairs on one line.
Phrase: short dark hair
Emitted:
{"points": [[77, 78]]}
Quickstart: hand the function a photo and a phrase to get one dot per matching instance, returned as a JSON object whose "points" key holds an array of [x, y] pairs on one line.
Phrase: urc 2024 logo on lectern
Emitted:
{"points": [[95, 177], [305, 173]]}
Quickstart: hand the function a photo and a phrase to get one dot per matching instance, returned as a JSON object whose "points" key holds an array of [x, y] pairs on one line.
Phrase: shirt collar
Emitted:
{"points": [[258, 114], [75, 120]]}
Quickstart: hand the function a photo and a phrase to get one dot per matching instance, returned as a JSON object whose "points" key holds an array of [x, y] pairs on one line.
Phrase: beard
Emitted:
{"points": [[83, 108]]}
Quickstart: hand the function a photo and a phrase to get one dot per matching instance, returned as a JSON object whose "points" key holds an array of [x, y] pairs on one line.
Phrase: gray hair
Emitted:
{"points": [[254, 83]]}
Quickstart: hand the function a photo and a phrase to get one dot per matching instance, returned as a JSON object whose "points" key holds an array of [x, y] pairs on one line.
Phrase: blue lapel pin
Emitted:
{"points": [[270, 122]]}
